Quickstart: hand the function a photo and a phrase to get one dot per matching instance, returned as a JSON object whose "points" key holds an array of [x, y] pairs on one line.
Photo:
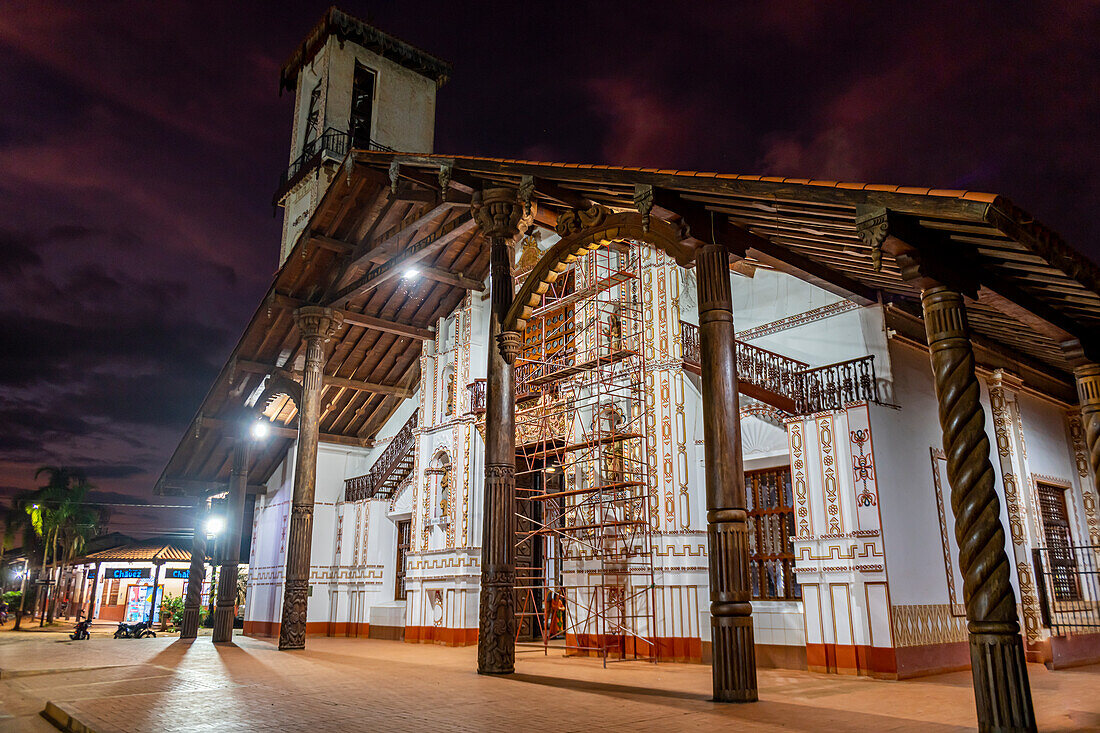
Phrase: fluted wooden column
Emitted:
{"points": [[1088, 390], [1001, 689], [231, 552], [316, 325], [497, 213], [189, 627], [733, 650]]}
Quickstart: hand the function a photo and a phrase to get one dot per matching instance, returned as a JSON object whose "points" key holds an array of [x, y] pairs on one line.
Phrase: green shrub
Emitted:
{"points": [[171, 608]]}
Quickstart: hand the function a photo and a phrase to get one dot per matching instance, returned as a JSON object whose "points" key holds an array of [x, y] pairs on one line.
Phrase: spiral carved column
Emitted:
{"points": [[226, 606], [1088, 390], [316, 325], [497, 213], [733, 650], [189, 627], [1001, 689]]}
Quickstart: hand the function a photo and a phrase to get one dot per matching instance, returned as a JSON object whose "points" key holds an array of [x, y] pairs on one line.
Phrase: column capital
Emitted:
{"points": [[1005, 380], [511, 343], [316, 321], [497, 212]]}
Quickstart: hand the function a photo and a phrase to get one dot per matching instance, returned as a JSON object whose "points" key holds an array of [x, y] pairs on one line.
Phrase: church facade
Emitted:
{"points": [[852, 563]]}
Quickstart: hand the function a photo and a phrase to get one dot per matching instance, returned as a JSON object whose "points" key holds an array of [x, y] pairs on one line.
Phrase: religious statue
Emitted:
{"points": [[451, 393], [445, 493]]}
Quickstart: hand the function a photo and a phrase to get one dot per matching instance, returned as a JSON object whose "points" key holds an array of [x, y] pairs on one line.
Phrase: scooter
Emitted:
{"points": [[81, 630]]}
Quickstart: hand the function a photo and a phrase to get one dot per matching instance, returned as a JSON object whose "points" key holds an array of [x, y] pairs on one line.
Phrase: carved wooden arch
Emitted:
{"points": [[278, 385], [592, 229]]}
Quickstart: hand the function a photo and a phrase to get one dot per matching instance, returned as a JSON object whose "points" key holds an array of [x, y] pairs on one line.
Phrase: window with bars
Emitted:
{"points": [[1059, 542], [404, 540], [771, 534]]}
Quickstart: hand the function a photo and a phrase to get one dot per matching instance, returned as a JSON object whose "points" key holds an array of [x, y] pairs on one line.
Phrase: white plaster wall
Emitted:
{"points": [[911, 528], [268, 561], [404, 101]]}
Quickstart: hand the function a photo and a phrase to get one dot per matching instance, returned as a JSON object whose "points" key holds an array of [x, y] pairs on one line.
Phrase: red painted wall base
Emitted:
{"points": [[852, 659]]}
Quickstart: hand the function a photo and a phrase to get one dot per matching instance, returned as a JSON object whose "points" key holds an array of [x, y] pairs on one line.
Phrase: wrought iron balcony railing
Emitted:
{"points": [[333, 144], [389, 470], [791, 385]]}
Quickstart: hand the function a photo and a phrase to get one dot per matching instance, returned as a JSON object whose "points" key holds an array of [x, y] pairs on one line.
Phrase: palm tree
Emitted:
{"points": [[20, 516], [55, 508]]}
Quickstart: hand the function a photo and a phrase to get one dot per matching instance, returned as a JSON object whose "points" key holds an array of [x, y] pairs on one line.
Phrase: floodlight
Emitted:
{"points": [[215, 524]]}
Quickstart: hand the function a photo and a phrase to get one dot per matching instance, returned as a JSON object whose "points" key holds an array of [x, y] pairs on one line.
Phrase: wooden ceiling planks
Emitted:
{"points": [[814, 220]]}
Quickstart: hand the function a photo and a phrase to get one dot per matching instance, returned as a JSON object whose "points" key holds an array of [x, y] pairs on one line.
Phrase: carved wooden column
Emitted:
{"points": [[734, 653], [1088, 390], [231, 552], [189, 627], [1001, 688], [497, 213], [316, 325]]}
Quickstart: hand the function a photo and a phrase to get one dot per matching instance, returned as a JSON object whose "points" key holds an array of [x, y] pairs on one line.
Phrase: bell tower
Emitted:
{"points": [[354, 87]]}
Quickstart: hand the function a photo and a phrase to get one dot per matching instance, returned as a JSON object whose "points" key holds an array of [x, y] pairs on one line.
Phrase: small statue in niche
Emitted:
{"points": [[445, 493], [451, 393]]}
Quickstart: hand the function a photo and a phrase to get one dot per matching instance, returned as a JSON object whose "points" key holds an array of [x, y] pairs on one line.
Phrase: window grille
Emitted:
{"points": [[771, 534]]}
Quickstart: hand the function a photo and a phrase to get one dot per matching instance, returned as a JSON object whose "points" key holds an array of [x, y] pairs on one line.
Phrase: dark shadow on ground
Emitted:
{"points": [[603, 688]]}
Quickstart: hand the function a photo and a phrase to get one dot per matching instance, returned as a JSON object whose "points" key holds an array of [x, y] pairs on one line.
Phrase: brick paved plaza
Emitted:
{"points": [[164, 684]]}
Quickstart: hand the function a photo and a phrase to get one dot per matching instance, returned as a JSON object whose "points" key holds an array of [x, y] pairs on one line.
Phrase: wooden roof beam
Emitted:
{"points": [[927, 255], [192, 487], [391, 242], [256, 367], [551, 190], [291, 432], [351, 318], [706, 225], [399, 263], [457, 279]]}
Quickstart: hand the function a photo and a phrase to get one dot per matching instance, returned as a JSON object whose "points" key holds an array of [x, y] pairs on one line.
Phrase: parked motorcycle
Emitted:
{"points": [[140, 630], [81, 630], [143, 629]]}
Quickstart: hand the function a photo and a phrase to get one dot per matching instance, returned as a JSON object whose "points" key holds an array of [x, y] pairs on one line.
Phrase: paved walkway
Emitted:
{"points": [[164, 684]]}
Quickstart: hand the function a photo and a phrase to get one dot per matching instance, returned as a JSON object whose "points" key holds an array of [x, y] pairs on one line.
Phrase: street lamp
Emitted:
{"points": [[215, 523], [260, 430]]}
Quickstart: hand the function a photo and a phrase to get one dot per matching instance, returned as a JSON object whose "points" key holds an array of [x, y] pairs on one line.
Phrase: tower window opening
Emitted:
{"points": [[362, 105]]}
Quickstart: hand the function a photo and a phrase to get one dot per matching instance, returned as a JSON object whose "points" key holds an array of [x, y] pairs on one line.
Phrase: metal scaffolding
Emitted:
{"points": [[585, 575]]}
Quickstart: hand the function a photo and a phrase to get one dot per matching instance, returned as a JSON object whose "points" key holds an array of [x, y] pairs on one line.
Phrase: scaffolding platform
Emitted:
{"points": [[585, 578]]}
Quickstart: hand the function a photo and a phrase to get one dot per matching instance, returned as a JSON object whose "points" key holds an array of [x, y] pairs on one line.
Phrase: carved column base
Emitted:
{"points": [[733, 648], [292, 631], [189, 626], [734, 658], [1001, 689], [223, 623], [496, 648]]}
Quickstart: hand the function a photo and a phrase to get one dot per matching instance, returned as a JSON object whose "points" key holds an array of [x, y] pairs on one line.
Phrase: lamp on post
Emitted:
{"points": [[215, 524]]}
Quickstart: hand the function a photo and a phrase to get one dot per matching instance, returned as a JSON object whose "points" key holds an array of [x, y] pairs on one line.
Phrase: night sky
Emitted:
{"points": [[140, 144]]}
